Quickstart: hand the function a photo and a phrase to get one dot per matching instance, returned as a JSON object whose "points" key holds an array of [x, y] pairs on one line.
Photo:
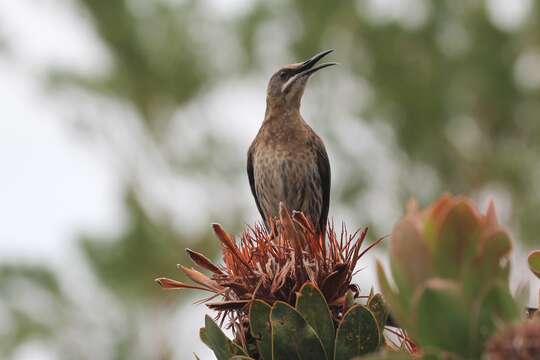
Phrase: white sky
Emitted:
{"points": [[51, 184]]}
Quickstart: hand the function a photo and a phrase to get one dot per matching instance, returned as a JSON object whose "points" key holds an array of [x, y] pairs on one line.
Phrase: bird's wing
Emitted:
{"points": [[324, 172], [251, 178]]}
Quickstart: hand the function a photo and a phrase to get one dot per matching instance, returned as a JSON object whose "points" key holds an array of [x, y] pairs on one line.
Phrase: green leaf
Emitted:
{"points": [[410, 256], [488, 265], [457, 241], [398, 303], [241, 357], [378, 307], [349, 299], [534, 262], [495, 246], [203, 336], [216, 340], [495, 307], [311, 304], [435, 354], [384, 354], [442, 317], [358, 334], [292, 337], [260, 328]]}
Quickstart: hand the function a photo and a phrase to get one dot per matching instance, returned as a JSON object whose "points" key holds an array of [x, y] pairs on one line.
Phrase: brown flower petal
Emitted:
{"points": [[334, 281], [200, 278], [228, 243], [203, 261], [174, 284]]}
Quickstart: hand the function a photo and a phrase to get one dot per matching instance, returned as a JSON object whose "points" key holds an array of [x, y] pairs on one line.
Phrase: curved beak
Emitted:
{"points": [[307, 68]]}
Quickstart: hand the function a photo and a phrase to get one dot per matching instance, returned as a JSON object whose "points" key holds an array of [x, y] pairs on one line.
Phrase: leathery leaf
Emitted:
{"points": [[311, 304], [292, 337], [442, 317], [259, 325], [216, 340], [378, 307], [358, 334], [534, 262]]}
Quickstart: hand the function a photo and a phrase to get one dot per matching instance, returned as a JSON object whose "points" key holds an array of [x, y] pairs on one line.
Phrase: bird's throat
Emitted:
{"points": [[281, 114]]}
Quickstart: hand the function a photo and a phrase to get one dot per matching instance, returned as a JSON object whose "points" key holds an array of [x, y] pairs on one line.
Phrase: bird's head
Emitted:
{"points": [[286, 86]]}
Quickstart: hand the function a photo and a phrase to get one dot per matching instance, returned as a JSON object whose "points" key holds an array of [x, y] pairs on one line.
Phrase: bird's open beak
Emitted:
{"points": [[307, 68]]}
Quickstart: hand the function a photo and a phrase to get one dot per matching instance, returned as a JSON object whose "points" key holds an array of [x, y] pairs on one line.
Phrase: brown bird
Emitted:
{"points": [[287, 161]]}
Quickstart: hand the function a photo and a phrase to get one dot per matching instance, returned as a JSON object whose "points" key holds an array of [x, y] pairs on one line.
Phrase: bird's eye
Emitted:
{"points": [[282, 74]]}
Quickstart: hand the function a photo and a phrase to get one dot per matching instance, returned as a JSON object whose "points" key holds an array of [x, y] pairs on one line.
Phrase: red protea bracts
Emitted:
{"points": [[273, 266]]}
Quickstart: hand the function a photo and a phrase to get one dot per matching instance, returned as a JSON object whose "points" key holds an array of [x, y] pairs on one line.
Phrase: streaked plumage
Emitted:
{"points": [[287, 161]]}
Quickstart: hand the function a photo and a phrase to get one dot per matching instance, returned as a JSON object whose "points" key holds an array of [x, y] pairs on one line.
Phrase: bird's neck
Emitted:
{"points": [[281, 113]]}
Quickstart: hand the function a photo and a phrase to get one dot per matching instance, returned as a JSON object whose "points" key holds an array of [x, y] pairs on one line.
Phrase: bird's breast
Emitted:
{"points": [[287, 176]]}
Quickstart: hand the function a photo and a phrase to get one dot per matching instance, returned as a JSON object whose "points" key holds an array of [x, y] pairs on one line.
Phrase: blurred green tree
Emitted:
{"points": [[457, 89]]}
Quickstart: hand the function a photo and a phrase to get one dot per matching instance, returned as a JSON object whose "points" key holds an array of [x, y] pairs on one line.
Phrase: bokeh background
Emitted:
{"points": [[124, 126]]}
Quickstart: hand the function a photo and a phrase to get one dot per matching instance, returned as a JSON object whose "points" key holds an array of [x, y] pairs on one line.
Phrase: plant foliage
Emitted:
{"points": [[451, 269]]}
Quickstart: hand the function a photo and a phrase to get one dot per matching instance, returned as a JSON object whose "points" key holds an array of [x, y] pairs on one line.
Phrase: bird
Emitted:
{"points": [[287, 162]]}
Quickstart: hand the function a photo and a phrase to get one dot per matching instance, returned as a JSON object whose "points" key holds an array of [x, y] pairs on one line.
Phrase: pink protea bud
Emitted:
{"points": [[445, 238]]}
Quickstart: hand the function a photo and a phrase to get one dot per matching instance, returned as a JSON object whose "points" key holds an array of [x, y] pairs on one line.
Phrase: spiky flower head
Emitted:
{"points": [[519, 342], [273, 265]]}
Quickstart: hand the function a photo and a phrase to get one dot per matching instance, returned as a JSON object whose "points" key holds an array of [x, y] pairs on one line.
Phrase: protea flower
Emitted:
{"points": [[518, 342], [293, 276], [273, 266]]}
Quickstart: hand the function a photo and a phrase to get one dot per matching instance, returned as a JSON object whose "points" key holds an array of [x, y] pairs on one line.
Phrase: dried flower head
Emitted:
{"points": [[521, 341], [273, 265]]}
